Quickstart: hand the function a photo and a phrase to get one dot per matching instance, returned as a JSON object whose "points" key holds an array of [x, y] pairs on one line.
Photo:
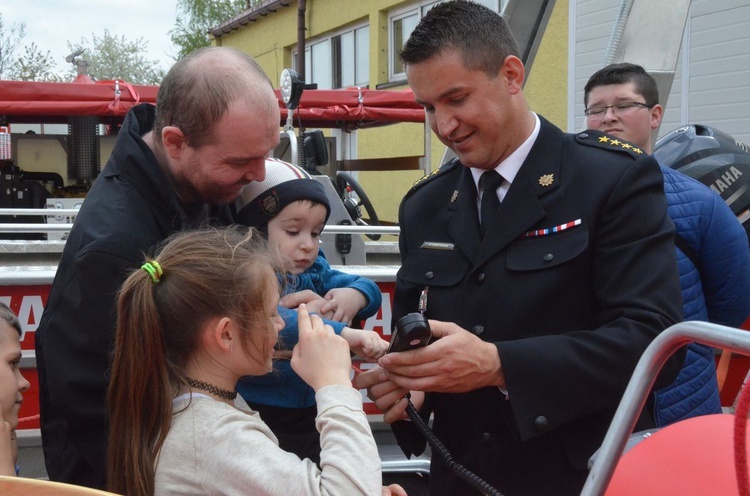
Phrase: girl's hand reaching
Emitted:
{"points": [[393, 490], [321, 358]]}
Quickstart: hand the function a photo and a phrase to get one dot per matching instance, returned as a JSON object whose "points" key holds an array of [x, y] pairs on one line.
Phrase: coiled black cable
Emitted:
{"points": [[437, 447]]}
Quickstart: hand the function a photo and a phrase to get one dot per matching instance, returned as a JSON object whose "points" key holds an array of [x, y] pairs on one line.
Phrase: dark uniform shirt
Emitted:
{"points": [[575, 278]]}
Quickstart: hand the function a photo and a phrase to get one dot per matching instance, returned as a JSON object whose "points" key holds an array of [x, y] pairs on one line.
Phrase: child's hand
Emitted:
{"points": [[314, 302], [345, 303], [366, 344], [320, 358], [8, 448]]}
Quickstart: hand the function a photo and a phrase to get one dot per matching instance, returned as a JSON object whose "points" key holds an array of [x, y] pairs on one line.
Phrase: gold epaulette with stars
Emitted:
{"points": [[607, 142], [432, 175]]}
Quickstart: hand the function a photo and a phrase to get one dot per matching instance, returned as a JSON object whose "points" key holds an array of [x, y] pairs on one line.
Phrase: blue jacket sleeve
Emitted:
{"points": [[725, 270], [290, 334]]}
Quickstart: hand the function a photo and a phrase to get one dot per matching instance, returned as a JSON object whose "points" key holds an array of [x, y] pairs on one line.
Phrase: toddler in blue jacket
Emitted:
{"points": [[291, 208]]}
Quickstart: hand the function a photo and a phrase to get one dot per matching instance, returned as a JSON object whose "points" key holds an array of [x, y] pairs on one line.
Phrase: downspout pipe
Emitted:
{"points": [[617, 31], [301, 7]]}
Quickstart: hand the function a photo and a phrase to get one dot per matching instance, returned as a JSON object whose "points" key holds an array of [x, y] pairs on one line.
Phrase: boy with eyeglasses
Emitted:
{"points": [[713, 257]]}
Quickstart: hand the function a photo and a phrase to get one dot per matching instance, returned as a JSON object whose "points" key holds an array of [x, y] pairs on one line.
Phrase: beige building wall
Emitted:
{"points": [[271, 39], [546, 86]]}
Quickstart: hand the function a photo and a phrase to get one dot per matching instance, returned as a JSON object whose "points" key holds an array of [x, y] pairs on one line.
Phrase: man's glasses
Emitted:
{"points": [[618, 108]]}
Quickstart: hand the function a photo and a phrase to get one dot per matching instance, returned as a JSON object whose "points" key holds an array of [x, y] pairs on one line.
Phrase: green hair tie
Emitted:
{"points": [[154, 270]]}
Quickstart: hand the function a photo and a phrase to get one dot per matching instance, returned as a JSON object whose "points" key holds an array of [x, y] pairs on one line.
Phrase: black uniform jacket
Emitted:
{"points": [[575, 278], [130, 209]]}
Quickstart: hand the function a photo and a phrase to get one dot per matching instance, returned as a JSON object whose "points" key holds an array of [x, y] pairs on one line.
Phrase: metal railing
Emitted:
{"points": [[56, 227], [644, 376], [48, 212]]}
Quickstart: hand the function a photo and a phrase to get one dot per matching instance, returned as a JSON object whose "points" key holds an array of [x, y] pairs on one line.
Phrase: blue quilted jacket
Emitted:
{"points": [[718, 291], [283, 387]]}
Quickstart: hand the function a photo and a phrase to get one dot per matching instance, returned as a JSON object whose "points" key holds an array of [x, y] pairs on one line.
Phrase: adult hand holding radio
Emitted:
{"points": [[441, 366], [455, 361]]}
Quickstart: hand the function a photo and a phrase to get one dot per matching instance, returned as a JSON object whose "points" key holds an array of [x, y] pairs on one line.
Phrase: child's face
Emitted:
{"points": [[12, 383], [296, 231]]}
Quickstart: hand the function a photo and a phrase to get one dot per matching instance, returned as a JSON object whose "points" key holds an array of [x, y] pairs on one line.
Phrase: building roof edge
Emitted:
{"points": [[263, 9]]}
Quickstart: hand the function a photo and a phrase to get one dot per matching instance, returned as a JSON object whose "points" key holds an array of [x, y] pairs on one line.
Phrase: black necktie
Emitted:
{"points": [[488, 183]]}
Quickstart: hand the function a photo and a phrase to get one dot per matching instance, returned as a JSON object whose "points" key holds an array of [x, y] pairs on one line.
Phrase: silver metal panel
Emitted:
{"points": [[377, 273], [653, 34], [33, 246], [26, 275]]}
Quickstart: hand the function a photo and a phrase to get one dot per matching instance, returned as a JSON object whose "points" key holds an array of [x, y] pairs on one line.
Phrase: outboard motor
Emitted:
{"points": [[714, 158]]}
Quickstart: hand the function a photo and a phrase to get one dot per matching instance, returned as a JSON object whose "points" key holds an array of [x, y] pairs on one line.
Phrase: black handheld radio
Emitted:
{"points": [[410, 332]]}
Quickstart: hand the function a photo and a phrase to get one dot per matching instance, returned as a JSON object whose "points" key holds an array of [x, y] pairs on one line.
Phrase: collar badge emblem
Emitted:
{"points": [[546, 180]]}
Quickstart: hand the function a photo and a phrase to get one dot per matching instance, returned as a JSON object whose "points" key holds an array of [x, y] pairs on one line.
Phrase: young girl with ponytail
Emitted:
{"points": [[186, 332]]}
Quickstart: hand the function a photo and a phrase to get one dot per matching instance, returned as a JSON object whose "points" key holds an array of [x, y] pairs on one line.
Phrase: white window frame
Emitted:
{"points": [[364, 78]]}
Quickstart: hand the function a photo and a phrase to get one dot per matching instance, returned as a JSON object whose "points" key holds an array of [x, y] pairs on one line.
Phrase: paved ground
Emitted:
{"points": [[30, 456]]}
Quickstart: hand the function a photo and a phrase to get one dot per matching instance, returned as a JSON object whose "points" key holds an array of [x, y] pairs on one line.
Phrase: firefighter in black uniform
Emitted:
{"points": [[543, 288]]}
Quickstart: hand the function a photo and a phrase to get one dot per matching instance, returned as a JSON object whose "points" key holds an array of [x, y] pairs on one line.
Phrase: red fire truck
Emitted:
{"points": [[39, 207]]}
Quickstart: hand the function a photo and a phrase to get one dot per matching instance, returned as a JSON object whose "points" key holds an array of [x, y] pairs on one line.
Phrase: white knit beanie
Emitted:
{"points": [[261, 201]]}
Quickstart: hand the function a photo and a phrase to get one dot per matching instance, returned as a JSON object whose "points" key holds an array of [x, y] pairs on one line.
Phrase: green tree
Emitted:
{"points": [[196, 17], [114, 57], [10, 40], [34, 65]]}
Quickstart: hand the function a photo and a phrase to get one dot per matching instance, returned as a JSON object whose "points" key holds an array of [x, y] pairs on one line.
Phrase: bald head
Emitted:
{"points": [[198, 90]]}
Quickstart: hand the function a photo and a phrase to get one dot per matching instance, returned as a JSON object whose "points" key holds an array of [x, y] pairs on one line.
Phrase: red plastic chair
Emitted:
{"points": [[692, 457]]}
